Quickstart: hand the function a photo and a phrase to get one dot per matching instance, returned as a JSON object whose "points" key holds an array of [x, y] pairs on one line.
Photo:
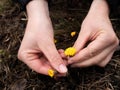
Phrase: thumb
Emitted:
{"points": [[82, 40], [54, 58]]}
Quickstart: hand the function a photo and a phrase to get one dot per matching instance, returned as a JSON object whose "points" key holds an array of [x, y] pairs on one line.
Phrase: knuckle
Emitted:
{"points": [[95, 62], [54, 59], [117, 42], [21, 55], [102, 65], [91, 51], [114, 40]]}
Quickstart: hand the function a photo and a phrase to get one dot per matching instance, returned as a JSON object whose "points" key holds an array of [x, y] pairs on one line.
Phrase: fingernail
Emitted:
{"points": [[63, 68]]}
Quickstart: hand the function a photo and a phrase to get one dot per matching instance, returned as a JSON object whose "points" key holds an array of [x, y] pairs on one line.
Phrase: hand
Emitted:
{"points": [[97, 41], [37, 49]]}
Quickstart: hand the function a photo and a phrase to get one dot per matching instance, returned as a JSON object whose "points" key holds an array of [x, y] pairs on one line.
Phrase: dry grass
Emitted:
{"points": [[15, 75]]}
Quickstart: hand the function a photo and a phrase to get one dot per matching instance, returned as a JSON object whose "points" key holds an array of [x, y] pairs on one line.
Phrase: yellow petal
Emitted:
{"points": [[55, 41], [51, 73], [70, 51], [73, 34]]}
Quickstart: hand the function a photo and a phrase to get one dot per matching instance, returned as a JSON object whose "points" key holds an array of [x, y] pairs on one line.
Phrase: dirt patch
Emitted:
{"points": [[15, 75]]}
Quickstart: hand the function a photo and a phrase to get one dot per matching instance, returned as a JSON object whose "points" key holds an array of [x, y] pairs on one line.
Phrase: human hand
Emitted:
{"points": [[97, 41], [37, 49]]}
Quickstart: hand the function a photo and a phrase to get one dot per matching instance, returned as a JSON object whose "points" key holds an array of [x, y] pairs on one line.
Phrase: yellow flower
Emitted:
{"points": [[55, 41], [51, 73], [70, 51], [73, 33]]}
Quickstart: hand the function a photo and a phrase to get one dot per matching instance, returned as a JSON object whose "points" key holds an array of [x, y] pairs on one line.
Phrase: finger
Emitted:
{"points": [[62, 54], [95, 60], [54, 58], [94, 48], [60, 75], [39, 65], [82, 39], [64, 57], [103, 63], [80, 43], [61, 51]]}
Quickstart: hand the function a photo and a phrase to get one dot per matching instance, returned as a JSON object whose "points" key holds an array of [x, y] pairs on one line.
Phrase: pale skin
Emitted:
{"points": [[38, 50], [98, 31]]}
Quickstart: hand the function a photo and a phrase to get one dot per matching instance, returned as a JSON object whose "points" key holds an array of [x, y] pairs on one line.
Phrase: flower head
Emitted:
{"points": [[70, 51], [51, 73], [73, 33], [55, 41]]}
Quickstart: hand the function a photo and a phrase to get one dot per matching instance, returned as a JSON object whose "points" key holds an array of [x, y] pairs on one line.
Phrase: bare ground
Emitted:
{"points": [[15, 75]]}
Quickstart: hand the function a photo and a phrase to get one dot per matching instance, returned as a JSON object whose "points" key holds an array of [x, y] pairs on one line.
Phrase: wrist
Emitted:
{"points": [[38, 14], [37, 10], [99, 7], [36, 25]]}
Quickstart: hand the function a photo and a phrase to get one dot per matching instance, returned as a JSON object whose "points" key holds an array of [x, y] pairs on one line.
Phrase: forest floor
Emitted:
{"points": [[15, 75]]}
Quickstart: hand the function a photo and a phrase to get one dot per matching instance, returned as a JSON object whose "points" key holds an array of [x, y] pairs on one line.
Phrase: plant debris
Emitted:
{"points": [[15, 75]]}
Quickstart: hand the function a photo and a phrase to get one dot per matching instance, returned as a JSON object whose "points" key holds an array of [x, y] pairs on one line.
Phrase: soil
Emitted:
{"points": [[66, 17]]}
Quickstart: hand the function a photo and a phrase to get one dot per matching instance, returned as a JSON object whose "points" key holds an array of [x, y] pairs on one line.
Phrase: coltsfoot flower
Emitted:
{"points": [[73, 33], [51, 73], [55, 41], [70, 51]]}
